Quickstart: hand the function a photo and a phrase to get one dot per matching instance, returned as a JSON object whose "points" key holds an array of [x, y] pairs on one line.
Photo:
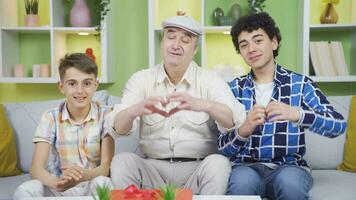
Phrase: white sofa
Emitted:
{"points": [[323, 154]]}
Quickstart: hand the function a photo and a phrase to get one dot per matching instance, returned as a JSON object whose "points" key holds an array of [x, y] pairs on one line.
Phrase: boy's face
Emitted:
{"points": [[178, 47], [78, 87], [257, 48]]}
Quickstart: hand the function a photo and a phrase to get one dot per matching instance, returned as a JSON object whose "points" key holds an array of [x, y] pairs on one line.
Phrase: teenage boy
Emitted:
{"points": [[178, 107], [268, 148], [73, 151]]}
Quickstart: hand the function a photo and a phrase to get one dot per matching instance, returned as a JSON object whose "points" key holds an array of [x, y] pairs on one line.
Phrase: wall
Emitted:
{"points": [[132, 34], [132, 31]]}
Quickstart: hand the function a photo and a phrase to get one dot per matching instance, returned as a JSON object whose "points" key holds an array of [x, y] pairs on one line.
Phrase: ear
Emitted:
{"points": [[96, 84], [274, 43], [60, 86]]}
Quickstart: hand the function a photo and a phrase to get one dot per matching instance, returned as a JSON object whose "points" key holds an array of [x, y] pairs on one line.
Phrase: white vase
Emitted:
{"points": [[80, 14]]}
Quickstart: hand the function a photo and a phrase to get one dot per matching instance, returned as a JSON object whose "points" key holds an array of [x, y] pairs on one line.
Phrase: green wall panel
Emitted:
{"points": [[132, 54]]}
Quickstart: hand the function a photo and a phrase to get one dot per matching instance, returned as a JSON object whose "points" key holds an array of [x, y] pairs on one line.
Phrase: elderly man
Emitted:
{"points": [[178, 107]]}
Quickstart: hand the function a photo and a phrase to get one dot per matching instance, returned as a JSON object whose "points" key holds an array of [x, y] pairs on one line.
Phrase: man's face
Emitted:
{"points": [[78, 87], [256, 48], [178, 47]]}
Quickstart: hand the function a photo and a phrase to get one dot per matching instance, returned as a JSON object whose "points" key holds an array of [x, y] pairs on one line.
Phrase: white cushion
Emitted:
{"points": [[323, 152], [24, 119], [9, 184], [333, 185]]}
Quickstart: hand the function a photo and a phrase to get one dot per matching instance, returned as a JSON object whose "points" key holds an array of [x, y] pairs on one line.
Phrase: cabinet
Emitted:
{"points": [[50, 41], [344, 30], [216, 50]]}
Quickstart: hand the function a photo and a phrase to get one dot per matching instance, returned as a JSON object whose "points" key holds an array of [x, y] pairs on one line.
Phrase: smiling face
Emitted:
{"points": [[257, 48], [178, 47], [78, 88]]}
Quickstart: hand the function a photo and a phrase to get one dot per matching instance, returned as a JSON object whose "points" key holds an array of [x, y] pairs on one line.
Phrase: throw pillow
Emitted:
{"points": [[8, 157], [349, 160]]}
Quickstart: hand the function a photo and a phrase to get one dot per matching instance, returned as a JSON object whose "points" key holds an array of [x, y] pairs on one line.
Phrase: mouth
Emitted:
{"points": [[80, 99], [255, 58], [175, 54]]}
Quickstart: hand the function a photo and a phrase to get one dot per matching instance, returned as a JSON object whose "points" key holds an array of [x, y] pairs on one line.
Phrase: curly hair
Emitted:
{"points": [[253, 22], [78, 61]]}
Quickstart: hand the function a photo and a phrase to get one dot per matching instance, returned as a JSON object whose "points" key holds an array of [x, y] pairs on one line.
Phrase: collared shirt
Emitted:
{"points": [[186, 133], [72, 143], [281, 142]]}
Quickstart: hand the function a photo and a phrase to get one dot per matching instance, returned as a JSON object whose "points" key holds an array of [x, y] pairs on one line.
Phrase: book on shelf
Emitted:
{"points": [[315, 58], [338, 57], [327, 58]]}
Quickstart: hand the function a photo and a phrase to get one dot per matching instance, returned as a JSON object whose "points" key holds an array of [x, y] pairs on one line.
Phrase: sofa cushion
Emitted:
{"points": [[8, 156], [333, 184], [349, 161], [323, 152], [9, 184], [24, 119]]}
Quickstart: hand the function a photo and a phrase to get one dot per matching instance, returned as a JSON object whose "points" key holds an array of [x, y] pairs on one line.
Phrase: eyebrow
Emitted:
{"points": [[253, 37], [87, 79]]}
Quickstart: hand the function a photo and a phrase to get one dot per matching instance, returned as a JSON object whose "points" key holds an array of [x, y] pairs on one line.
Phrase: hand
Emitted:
{"points": [[255, 117], [280, 111], [71, 176], [187, 102], [149, 106]]}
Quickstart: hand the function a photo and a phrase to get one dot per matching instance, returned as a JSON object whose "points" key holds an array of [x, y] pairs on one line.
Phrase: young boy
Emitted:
{"points": [[72, 149]]}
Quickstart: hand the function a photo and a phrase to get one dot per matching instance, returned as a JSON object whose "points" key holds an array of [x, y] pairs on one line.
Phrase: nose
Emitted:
{"points": [[251, 48], [176, 44], [80, 88]]}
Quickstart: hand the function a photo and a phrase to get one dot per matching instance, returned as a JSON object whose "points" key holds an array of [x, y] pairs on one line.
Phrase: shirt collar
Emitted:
{"points": [[188, 75], [93, 113], [277, 79]]}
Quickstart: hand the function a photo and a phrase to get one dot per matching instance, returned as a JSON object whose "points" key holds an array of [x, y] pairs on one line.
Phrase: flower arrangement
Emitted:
{"points": [[331, 1], [31, 7]]}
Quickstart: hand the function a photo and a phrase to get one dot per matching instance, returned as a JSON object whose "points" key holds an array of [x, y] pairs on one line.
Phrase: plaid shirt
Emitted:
{"points": [[72, 143], [281, 142]]}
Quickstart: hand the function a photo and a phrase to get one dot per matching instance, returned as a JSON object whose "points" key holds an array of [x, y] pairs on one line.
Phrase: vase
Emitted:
{"points": [[32, 20], [329, 15], [218, 13], [80, 14], [235, 13]]}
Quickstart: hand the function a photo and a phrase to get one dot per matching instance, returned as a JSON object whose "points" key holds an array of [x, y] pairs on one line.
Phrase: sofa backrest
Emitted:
{"points": [[323, 152]]}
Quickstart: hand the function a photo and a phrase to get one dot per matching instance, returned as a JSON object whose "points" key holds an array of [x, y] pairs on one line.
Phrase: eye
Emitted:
{"points": [[243, 46], [170, 35], [258, 41], [88, 83], [71, 84], [186, 39]]}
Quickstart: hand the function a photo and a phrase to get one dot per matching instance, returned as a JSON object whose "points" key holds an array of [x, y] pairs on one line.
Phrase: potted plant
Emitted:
{"points": [[256, 6], [31, 17]]}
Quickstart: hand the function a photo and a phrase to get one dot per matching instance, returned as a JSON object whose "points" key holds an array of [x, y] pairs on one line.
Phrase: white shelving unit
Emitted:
{"points": [[58, 39], [315, 32], [198, 9]]}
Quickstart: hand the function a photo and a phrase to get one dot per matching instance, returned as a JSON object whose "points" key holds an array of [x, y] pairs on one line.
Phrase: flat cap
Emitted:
{"points": [[184, 22]]}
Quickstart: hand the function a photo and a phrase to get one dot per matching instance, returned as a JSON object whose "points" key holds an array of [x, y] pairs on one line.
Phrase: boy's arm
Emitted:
{"points": [[319, 116], [39, 162], [107, 152]]}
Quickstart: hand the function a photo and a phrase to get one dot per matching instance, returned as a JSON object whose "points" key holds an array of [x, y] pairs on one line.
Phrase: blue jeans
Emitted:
{"points": [[287, 182]]}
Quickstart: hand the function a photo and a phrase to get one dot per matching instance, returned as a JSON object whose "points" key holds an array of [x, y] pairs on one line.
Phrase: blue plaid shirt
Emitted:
{"points": [[281, 142]]}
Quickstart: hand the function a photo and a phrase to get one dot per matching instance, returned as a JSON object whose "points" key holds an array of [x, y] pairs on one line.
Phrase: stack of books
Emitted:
{"points": [[328, 59]]}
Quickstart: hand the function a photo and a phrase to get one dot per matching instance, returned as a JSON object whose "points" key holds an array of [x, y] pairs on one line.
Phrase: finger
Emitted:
{"points": [[159, 111], [73, 174], [174, 110]]}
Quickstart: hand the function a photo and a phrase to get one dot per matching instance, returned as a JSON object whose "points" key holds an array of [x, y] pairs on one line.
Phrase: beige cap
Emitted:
{"points": [[184, 22]]}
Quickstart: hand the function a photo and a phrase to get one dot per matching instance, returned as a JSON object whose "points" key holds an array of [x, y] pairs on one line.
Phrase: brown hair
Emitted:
{"points": [[78, 61]]}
